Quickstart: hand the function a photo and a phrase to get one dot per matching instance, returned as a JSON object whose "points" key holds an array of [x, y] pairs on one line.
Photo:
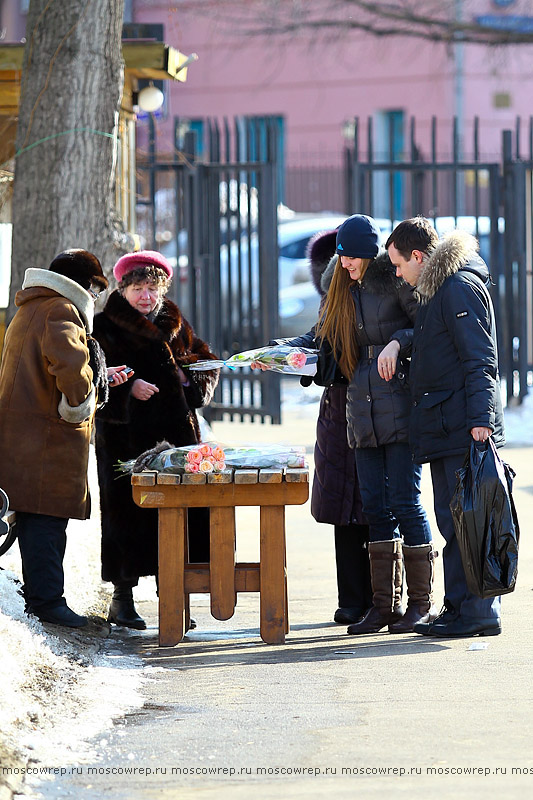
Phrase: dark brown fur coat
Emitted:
{"points": [[126, 427]]}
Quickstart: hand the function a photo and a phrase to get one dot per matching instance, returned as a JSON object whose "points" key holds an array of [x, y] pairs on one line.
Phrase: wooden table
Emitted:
{"points": [[222, 578]]}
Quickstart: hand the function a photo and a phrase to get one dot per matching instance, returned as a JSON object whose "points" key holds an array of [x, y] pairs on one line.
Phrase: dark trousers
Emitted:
{"points": [[389, 483], [353, 566], [456, 592], [42, 540]]}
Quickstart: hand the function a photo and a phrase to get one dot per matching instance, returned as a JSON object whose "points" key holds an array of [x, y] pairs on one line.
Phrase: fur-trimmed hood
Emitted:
{"points": [[321, 255], [457, 250], [35, 279]]}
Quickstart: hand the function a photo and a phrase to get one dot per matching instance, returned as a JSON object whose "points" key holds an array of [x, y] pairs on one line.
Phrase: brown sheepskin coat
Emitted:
{"points": [[47, 398]]}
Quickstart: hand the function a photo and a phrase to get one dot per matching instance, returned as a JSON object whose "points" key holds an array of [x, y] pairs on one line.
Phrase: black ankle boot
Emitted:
{"points": [[122, 610]]}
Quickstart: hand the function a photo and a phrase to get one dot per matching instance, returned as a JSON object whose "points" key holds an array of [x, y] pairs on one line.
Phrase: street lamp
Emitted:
{"points": [[150, 98]]}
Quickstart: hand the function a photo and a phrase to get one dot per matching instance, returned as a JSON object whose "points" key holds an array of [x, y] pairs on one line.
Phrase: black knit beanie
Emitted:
{"points": [[358, 237], [80, 266]]}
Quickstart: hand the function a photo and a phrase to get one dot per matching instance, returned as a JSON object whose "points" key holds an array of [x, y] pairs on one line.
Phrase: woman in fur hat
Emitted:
{"points": [[148, 332]]}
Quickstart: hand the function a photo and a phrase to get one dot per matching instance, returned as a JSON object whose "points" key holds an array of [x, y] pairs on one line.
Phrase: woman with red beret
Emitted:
{"points": [[144, 330]]}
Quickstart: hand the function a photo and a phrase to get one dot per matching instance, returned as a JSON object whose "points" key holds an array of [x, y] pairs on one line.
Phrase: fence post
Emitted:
{"points": [[515, 333]]}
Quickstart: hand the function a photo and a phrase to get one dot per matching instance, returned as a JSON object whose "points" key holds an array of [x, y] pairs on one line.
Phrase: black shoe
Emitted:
{"points": [[122, 612], [468, 626], [62, 615], [446, 615], [345, 616]]}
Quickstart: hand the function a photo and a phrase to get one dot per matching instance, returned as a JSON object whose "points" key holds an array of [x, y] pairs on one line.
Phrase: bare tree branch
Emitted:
{"points": [[446, 21]]}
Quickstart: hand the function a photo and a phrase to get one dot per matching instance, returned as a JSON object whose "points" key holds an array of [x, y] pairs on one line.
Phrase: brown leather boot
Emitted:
{"points": [[386, 572], [419, 573]]}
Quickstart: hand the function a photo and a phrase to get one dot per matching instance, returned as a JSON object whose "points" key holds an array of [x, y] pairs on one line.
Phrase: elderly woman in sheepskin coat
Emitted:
{"points": [[146, 331]]}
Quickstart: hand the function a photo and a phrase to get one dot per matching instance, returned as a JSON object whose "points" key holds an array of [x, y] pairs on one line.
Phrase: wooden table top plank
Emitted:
{"points": [[193, 478], [226, 476], [224, 494], [296, 475], [168, 478], [270, 475], [245, 476], [144, 478]]}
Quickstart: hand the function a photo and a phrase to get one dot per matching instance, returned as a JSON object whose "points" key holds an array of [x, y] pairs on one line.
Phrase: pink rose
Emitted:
{"points": [[193, 456], [205, 450], [296, 360], [218, 453], [219, 466], [191, 466]]}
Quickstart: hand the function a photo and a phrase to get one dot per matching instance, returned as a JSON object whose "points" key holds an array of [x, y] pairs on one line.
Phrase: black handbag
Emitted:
{"points": [[485, 521]]}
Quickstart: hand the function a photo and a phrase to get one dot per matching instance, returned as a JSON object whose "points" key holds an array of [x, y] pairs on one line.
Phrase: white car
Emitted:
{"points": [[293, 238]]}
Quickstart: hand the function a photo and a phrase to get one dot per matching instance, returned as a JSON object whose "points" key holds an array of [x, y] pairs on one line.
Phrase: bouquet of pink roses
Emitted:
{"points": [[277, 358], [214, 457], [191, 458]]}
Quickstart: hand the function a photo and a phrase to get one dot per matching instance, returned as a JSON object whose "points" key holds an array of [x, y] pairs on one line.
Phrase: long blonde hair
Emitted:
{"points": [[337, 320]]}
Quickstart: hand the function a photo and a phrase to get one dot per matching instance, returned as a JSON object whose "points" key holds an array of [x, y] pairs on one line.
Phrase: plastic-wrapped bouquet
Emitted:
{"points": [[214, 457], [278, 358], [276, 456], [166, 458]]}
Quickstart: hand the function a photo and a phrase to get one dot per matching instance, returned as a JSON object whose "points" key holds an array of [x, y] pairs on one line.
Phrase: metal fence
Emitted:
{"points": [[216, 219], [491, 199]]}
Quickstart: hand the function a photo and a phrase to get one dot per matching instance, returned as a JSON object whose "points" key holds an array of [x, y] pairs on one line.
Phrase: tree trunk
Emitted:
{"points": [[66, 142]]}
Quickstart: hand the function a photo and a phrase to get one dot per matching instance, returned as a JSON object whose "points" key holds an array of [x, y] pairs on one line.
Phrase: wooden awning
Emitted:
{"points": [[143, 60]]}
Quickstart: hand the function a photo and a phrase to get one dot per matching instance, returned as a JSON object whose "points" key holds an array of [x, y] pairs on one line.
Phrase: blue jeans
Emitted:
{"points": [[390, 490], [456, 592]]}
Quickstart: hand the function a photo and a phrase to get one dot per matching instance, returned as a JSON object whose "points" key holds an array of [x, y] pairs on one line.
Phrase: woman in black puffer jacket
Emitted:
{"points": [[365, 306]]}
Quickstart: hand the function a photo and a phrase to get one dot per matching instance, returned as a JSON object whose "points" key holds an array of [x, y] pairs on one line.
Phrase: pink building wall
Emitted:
{"points": [[317, 82]]}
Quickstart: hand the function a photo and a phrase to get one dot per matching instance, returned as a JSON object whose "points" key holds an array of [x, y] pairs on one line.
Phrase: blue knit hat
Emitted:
{"points": [[358, 237]]}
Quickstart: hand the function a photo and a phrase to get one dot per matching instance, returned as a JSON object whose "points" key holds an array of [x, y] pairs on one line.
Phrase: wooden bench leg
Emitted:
{"points": [[172, 532], [272, 574], [222, 562], [287, 625]]}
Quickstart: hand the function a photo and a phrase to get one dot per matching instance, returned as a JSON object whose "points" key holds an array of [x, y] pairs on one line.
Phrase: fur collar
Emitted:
{"points": [[452, 253], [380, 276], [43, 278], [168, 323]]}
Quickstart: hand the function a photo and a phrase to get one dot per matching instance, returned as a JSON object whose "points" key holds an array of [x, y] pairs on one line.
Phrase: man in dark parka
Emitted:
{"points": [[455, 388]]}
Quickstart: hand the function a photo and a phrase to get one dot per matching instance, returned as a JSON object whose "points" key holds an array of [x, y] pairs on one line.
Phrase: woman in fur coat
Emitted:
{"points": [[365, 306], [142, 329]]}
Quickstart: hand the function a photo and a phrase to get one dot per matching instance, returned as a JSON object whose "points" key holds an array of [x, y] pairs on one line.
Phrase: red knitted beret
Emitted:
{"points": [[143, 258]]}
